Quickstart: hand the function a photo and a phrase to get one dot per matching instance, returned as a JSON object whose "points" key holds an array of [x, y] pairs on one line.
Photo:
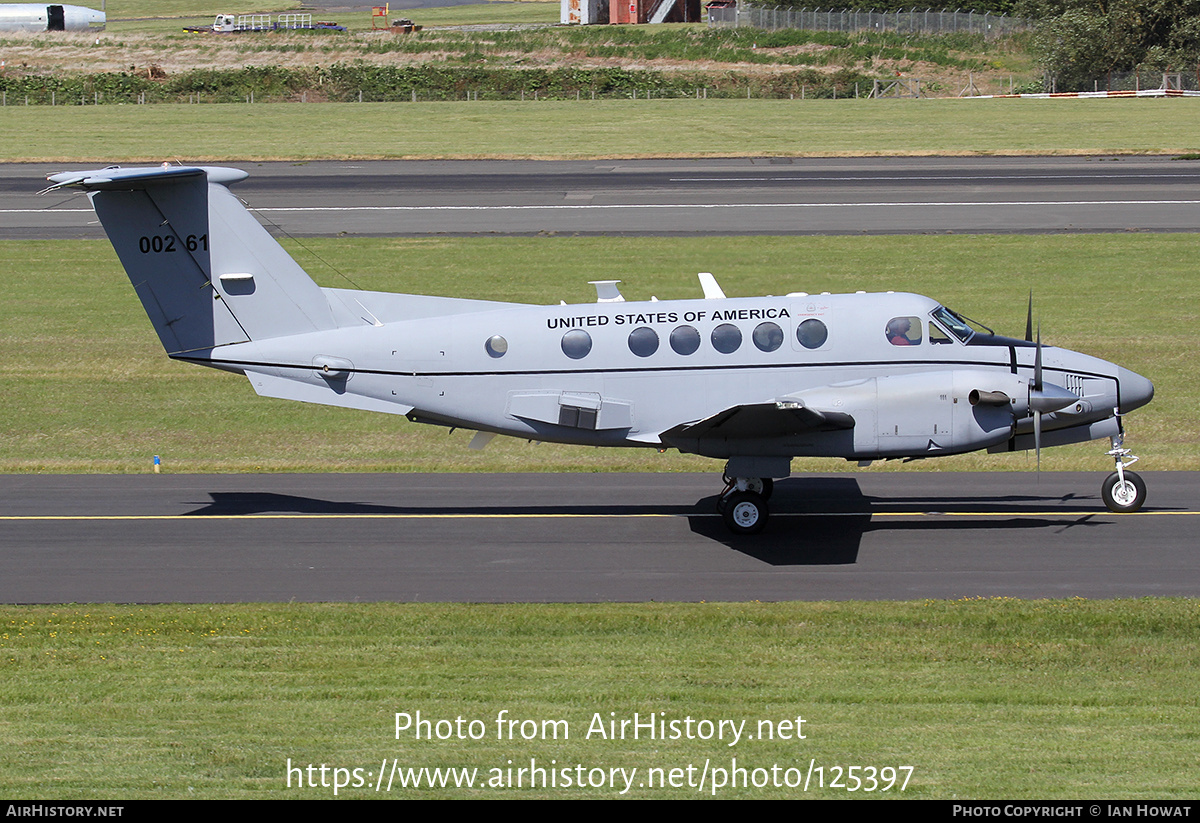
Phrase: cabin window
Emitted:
{"points": [[685, 340], [576, 344], [726, 338], [812, 334], [904, 331], [496, 346], [643, 341], [767, 336]]}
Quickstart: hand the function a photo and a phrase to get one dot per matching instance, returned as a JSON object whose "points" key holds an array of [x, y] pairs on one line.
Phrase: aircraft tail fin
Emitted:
{"points": [[206, 272]]}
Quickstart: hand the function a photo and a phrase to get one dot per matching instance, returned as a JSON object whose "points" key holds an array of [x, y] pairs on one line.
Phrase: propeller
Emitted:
{"points": [[1044, 397], [1036, 388]]}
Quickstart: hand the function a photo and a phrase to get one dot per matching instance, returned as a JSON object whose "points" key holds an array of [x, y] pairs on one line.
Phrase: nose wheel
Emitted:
{"points": [[1123, 491], [743, 503]]}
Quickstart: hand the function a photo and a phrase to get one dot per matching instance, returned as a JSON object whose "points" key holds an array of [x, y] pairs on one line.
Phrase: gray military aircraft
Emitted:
{"points": [[753, 381]]}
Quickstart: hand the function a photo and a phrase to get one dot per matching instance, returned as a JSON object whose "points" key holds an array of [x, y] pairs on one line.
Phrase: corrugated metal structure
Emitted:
{"points": [[584, 12]]}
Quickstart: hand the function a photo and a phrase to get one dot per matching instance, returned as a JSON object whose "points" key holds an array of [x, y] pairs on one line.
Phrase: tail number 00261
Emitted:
{"points": [[159, 244]]}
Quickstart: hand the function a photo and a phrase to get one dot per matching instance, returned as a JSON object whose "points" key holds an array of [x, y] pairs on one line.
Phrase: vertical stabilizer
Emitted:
{"points": [[206, 272]]}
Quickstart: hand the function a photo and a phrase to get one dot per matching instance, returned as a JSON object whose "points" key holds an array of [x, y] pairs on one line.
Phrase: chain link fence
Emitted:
{"points": [[914, 21], [1145, 80]]}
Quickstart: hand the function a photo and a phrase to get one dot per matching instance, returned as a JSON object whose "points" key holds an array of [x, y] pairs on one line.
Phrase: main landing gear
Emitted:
{"points": [[1123, 491], [743, 503]]}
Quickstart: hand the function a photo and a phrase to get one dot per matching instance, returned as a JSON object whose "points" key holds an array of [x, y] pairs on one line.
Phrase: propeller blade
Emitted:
{"points": [[1036, 389], [1037, 360], [1029, 320], [1037, 439]]}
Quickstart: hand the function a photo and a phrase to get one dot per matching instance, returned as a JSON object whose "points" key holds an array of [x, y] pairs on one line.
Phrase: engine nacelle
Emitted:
{"points": [[941, 412]]}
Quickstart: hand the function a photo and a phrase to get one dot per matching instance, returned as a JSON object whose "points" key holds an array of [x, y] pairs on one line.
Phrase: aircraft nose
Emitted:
{"points": [[1136, 391]]}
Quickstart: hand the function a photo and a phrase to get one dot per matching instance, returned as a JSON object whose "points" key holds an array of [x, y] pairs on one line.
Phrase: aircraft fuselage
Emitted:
{"points": [[627, 374]]}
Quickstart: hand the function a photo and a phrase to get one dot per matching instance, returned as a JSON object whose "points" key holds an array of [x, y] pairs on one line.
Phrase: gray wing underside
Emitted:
{"points": [[762, 420]]}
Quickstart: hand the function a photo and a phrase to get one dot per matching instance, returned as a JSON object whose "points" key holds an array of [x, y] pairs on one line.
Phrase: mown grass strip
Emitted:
{"points": [[548, 129], [984, 698]]}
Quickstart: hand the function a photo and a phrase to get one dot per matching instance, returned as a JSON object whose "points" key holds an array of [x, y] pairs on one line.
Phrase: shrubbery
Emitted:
{"points": [[348, 83]]}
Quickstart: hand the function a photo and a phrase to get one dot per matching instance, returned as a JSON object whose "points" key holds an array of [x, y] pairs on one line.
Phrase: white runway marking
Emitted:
{"points": [[902, 204]]}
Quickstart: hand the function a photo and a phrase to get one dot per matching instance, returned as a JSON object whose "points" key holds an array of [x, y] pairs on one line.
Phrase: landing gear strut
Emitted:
{"points": [[743, 503], [1123, 491]]}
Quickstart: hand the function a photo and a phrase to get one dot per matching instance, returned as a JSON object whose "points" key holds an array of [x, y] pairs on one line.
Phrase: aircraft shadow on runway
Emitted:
{"points": [[815, 521], [820, 521]]}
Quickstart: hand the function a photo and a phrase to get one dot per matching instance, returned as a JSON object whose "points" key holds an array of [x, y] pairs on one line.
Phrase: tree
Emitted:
{"points": [[1081, 40]]}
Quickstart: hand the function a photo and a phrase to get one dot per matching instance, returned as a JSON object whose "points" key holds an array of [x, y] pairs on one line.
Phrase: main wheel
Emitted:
{"points": [[1127, 496], [745, 513], [766, 486], [761, 485]]}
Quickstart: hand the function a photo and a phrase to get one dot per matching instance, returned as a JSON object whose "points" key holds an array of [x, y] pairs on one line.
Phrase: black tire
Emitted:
{"points": [[1126, 497], [768, 488], [745, 513]]}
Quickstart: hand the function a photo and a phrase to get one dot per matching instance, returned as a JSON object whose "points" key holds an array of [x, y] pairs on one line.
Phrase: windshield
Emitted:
{"points": [[964, 328]]}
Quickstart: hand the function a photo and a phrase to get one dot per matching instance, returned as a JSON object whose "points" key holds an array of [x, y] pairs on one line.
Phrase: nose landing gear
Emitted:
{"points": [[1123, 491]]}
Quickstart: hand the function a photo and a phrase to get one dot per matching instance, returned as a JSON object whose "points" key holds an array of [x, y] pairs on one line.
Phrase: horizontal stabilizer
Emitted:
{"points": [[268, 385], [118, 179]]}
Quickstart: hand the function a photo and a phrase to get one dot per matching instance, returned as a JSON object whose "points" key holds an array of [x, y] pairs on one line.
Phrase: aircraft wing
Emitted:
{"points": [[782, 418]]}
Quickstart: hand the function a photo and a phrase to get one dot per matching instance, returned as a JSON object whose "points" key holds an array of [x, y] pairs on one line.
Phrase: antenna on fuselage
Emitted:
{"points": [[712, 291], [607, 291]]}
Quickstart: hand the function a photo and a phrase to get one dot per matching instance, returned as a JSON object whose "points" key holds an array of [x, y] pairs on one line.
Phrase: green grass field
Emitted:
{"points": [[715, 128], [983, 699], [86, 386]]}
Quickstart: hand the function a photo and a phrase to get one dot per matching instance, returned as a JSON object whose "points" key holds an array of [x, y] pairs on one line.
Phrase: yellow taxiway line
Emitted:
{"points": [[561, 515]]}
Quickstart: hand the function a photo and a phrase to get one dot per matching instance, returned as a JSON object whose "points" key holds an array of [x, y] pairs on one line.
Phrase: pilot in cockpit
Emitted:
{"points": [[898, 329]]}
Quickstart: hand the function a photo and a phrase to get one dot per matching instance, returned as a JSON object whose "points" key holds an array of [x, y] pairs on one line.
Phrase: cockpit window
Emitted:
{"points": [[936, 335], [904, 331], [964, 328]]}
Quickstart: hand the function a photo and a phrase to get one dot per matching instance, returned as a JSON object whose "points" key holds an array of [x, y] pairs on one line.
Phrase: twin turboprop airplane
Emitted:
{"points": [[752, 381]]}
